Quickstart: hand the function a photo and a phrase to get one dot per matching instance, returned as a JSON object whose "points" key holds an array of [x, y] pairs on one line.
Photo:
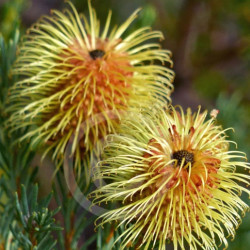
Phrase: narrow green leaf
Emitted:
{"points": [[33, 203], [43, 242], [19, 210], [24, 201], [52, 246], [43, 218]]}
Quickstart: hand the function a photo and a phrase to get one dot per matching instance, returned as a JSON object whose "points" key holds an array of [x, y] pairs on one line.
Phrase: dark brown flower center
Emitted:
{"points": [[179, 155], [97, 53]]}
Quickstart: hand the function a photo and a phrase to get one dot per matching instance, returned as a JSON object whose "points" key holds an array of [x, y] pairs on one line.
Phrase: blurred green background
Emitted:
{"points": [[210, 44]]}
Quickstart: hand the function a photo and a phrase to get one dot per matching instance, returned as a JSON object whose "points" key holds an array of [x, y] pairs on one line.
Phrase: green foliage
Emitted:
{"points": [[147, 16], [34, 221], [9, 13], [210, 83], [234, 115], [108, 235], [76, 219], [7, 57]]}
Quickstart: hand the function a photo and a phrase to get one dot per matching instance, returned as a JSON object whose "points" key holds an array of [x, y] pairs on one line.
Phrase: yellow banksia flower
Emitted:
{"points": [[174, 179], [72, 74]]}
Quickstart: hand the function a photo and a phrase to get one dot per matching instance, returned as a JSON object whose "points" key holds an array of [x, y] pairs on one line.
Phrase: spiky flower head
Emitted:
{"points": [[72, 72], [174, 179]]}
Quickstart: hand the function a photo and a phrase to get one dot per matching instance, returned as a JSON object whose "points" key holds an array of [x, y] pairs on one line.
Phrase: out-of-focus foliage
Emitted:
{"points": [[235, 115], [9, 16]]}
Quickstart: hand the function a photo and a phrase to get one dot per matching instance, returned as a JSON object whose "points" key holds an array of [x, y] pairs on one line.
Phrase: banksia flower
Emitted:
{"points": [[174, 179], [73, 73]]}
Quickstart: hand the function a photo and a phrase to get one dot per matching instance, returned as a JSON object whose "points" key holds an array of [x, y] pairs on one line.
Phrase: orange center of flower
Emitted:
{"points": [[193, 173], [100, 80], [204, 168], [104, 76]]}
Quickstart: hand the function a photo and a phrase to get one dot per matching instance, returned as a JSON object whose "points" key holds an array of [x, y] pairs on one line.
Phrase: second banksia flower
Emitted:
{"points": [[174, 179], [72, 72]]}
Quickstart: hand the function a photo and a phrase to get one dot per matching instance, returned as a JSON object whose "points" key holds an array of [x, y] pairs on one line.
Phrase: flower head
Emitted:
{"points": [[72, 72], [175, 179]]}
